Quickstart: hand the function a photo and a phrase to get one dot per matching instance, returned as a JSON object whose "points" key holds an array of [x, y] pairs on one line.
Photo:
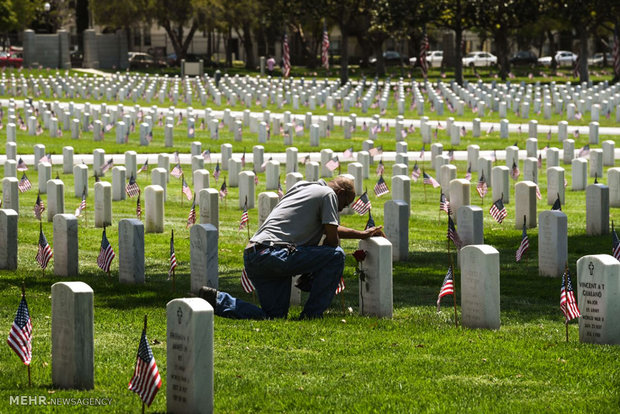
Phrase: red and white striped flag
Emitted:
{"points": [[82, 206], [44, 252], [524, 246], [145, 167], [106, 254], [447, 287], [286, 58], [186, 190], [191, 217], [444, 204], [380, 168], [39, 207], [245, 218], [20, 335], [107, 166], [132, 189], [362, 205], [381, 187], [538, 195], [138, 208], [568, 304], [173, 256], [498, 211], [615, 243], [177, 172], [24, 184], [340, 286], [246, 283], [325, 49], [415, 172], [146, 380], [482, 187], [332, 164]]}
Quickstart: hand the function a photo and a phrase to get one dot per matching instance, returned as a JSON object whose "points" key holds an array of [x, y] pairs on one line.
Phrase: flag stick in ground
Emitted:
{"points": [[456, 323], [145, 319], [247, 225], [174, 268], [40, 230]]}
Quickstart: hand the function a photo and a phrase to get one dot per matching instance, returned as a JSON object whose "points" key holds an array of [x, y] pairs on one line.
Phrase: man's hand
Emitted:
{"points": [[373, 232]]}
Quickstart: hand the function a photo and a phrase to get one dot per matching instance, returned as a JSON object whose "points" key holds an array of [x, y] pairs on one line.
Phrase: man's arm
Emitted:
{"points": [[347, 233], [331, 235]]}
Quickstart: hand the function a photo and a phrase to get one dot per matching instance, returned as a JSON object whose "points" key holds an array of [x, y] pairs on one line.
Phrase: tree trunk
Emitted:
{"points": [[377, 46], [209, 46], [248, 45], [501, 41], [552, 49], [344, 53], [228, 48], [458, 55], [583, 55]]}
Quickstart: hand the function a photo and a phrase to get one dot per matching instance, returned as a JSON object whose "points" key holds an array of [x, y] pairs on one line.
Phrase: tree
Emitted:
{"points": [[175, 15], [344, 13], [456, 15], [501, 18]]}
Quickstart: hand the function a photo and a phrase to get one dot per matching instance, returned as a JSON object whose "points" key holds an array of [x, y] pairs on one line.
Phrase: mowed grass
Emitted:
{"points": [[415, 362]]}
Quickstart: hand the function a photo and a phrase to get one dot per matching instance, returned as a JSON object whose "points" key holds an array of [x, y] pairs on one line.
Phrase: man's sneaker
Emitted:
{"points": [[209, 294]]}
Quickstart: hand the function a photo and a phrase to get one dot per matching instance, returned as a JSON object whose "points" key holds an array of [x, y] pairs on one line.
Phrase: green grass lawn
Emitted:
{"points": [[416, 362]]}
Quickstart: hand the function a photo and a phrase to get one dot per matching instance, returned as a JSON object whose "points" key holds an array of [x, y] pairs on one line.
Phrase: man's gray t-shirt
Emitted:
{"points": [[299, 217]]}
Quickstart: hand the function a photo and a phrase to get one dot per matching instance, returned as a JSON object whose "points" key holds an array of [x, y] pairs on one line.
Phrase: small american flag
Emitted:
{"points": [[223, 190], [348, 153], [20, 335], [243, 159], [452, 234], [106, 254], [176, 157], [468, 173], [107, 166], [444, 204], [177, 172], [245, 218], [332, 164], [186, 190], [132, 189], [422, 152], [146, 380], [415, 172], [370, 223], [539, 160], [430, 180], [82, 206], [44, 253], [216, 172], [24, 184], [538, 194], [21, 165], [380, 168], [138, 208], [498, 211], [191, 217], [280, 192], [568, 304], [45, 158], [482, 187], [447, 287], [325, 49], [340, 286], [173, 256], [39, 207], [246, 283], [490, 130], [524, 246], [515, 171], [286, 58], [373, 152], [584, 152], [557, 205], [424, 46], [206, 155], [362, 205], [145, 167], [615, 242], [381, 187]]}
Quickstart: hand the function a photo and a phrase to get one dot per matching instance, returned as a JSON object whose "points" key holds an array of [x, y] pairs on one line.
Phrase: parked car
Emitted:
{"points": [[144, 61], [479, 59], [434, 58], [597, 59], [390, 57], [523, 57], [562, 58], [11, 59]]}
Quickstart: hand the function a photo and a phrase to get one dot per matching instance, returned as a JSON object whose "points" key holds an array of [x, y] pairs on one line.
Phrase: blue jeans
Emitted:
{"points": [[271, 271], [230, 307]]}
